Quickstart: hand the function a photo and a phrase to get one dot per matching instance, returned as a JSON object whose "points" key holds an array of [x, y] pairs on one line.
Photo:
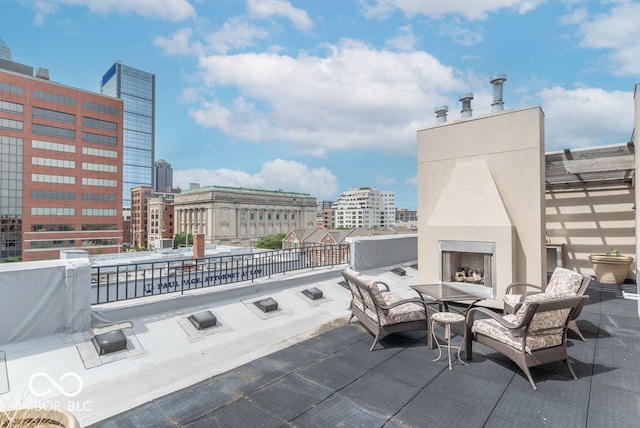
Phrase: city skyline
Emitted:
{"points": [[320, 97]]}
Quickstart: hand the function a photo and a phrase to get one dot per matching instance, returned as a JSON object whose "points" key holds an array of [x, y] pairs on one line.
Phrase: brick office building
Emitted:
{"points": [[60, 167]]}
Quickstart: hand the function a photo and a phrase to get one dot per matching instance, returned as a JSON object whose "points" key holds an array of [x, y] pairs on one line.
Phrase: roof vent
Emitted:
{"points": [[497, 81], [203, 320], [313, 293], [110, 342], [465, 99], [441, 114], [399, 271], [267, 305]]}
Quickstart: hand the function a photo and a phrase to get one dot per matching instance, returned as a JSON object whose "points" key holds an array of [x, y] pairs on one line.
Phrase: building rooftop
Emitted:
{"points": [[333, 380], [305, 366]]}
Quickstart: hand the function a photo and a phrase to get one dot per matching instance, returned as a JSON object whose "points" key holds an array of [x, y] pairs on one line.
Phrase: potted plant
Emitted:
{"points": [[611, 267]]}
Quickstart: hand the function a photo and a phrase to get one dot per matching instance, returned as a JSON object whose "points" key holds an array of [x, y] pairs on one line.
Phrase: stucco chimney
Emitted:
{"points": [[497, 81], [466, 104], [441, 114]]}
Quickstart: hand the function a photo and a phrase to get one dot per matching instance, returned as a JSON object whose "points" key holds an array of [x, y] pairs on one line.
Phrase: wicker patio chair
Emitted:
{"points": [[536, 334], [563, 282], [381, 311]]}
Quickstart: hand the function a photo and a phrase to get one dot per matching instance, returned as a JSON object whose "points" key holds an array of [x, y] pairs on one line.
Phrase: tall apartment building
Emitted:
{"points": [[238, 216], [163, 176], [60, 167], [136, 88], [364, 207]]}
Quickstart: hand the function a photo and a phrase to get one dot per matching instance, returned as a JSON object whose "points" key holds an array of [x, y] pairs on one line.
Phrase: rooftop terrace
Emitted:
{"points": [[305, 366], [333, 380]]}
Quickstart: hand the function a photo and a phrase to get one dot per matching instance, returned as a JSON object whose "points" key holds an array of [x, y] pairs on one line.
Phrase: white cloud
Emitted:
{"points": [[266, 9], [236, 33], [586, 117], [384, 180], [404, 41], [179, 43], [170, 10], [617, 31], [460, 33], [326, 103], [281, 174], [471, 10]]}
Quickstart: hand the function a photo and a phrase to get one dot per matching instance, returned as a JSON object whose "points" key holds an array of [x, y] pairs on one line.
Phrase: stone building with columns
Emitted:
{"points": [[239, 216]]}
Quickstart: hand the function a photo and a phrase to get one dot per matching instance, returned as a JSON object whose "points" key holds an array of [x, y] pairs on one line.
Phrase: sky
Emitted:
{"points": [[319, 96]]}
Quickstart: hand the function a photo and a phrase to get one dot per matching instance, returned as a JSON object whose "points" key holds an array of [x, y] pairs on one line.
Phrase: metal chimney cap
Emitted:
{"points": [[467, 96], [498, 77], [441, 109]]}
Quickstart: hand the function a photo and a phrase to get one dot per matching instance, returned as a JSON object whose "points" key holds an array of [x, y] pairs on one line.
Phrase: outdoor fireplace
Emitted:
{"points": [[469, 265]]}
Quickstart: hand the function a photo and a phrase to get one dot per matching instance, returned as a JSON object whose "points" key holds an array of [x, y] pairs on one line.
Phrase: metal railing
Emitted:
{"points": [[141, 279]]}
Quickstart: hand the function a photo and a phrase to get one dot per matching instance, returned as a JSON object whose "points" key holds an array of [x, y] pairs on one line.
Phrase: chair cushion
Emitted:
{"points": [[548, 322], [376, 294], [512, 299], [493, 329], [352, 272], [401, 313], [564, 282]]}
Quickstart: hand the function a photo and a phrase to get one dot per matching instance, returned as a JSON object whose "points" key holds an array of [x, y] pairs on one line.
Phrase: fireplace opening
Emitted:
{"points": [[469, 265]]}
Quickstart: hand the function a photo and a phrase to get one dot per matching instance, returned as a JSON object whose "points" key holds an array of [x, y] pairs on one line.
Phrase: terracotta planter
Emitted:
{"points": [[610, 269], [26, 418]]}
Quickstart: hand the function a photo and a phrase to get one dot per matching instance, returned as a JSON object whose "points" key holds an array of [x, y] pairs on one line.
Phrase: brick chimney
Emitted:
{"points": [[198, 245]]}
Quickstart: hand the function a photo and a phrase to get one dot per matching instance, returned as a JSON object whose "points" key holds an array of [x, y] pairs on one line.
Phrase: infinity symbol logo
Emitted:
{"points": [[59, 387]]}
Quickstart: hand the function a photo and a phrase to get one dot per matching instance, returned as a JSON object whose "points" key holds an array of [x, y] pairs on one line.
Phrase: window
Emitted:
{"points": [[52, 211], [12, 89], [11, 107], [46, 145], [58, 116], [99, 139], [51, 227], [14, 125], [99, 152], [99, 182], [99, 167], [99, 107], [102, 212], [41, 194], [105, 197], [59, 179], [47, 96], [52, 131], [99, 124], [109, 226], [57, 163]]}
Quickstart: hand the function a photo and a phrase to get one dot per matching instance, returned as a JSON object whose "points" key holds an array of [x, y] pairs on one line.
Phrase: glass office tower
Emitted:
{"points": [[136, 88]]}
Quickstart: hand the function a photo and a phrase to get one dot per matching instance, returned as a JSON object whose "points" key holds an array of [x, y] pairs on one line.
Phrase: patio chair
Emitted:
{"points": [[536, 334], [563, 282], [382, 311]]}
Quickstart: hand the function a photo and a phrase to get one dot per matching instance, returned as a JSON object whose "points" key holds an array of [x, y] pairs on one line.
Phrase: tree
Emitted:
{"points": [[179, 240], [273, 242]]}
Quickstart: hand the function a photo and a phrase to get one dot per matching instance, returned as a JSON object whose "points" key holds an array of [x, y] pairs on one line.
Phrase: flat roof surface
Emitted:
{"points": [[332, 379]]}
